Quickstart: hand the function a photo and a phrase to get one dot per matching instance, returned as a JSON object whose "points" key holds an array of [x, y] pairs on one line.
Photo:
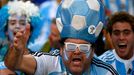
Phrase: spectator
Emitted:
{"points": [[54, 39], [113, 6], [14, 17], [121, 29], [48, 13]]}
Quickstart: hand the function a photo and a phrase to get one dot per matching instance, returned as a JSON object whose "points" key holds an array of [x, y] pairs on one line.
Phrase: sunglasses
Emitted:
{"points": [[72, 47]]}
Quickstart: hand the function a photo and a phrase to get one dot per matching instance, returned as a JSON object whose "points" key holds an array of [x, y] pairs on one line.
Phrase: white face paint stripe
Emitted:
{"points": [[65, 55]]}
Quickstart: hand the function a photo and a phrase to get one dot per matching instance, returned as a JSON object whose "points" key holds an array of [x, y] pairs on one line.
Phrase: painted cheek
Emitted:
{"points": [[65, 55], [11, 27], [10, 35], [88, 54]]}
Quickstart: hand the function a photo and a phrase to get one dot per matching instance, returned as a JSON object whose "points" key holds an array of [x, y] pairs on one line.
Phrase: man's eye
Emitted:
{"points": [[12, 22], [126, 32], [116, 32], [23, 24]]}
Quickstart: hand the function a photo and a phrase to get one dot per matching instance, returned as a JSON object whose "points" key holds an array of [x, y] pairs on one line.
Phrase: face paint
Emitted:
{"points": [[10, 35], [65, 55], [16, 22], [88, 54]]}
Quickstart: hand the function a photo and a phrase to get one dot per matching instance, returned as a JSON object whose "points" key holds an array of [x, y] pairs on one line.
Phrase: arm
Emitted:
{"points": [[6, 72], [16, 59]]}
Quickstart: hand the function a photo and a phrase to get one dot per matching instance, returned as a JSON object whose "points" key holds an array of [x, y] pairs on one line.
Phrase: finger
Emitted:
{"points": [[19, 34], [27, 31], [15, 39], [21, 30], [15, 45]]}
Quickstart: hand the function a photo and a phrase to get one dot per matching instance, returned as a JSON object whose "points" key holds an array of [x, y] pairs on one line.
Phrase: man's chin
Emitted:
{"points": [[76, 70]]}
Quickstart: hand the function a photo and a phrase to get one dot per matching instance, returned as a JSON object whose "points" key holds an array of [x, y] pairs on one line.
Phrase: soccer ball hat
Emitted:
{"points": [[80, 19]]}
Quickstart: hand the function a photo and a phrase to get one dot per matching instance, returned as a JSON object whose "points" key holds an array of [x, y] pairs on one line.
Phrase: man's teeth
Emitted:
{"points": [[122, 44]]}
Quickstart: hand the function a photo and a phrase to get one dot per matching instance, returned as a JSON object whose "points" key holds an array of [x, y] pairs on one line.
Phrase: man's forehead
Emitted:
{"points": [[121, 26], [74, 40], [17, 17]]}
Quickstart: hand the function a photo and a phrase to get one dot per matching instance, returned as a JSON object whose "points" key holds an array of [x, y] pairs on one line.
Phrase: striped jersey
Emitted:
{"points": [[123, 67], [52, 64]]}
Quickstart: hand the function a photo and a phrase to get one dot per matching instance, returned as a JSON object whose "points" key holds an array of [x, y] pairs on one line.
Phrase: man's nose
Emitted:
{"points": [[77, 51], [121, 36], [17, 27]]}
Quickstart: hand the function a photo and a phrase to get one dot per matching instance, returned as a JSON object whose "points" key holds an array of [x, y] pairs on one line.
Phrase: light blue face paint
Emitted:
{"points": [[88, 54], [10, 35], [15, 22], [65, 55]]}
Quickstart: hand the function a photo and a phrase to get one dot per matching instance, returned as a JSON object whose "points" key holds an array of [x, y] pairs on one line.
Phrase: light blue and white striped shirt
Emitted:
{"points": [[52, 64], [123, 67]]}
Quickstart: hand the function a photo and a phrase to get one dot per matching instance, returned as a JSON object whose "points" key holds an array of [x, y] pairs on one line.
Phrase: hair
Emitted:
{"points": [[54, 21], [99, 45], [120, 17], [62, 42], [31, 11]]}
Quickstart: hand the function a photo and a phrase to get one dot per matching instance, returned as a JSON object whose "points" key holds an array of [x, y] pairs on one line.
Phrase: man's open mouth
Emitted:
{"points": [[76, 59], [122, 45]]}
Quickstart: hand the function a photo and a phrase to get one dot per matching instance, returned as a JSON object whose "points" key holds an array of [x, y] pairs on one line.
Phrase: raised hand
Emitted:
{"points": [[18, 49], [21, 38]]}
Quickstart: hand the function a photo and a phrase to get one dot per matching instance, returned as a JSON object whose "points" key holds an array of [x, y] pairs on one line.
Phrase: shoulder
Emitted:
{"points": [[105, 67], [47, 62], [52, 53], [108, 56]]}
